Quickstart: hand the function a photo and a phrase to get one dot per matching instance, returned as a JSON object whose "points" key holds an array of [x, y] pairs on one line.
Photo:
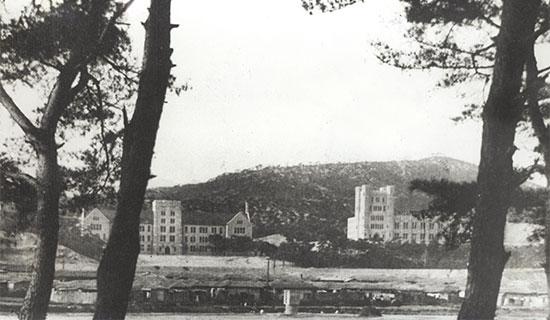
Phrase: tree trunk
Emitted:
{"points": [[547, 222], [496, 182], [35, 305], [118, 264]]}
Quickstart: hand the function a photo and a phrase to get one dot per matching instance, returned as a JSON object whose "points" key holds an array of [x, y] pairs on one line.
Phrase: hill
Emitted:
{"points": [[311, 202]]}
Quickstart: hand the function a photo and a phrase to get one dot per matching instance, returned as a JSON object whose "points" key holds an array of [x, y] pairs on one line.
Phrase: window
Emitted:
{"points": [[172, 238], [203, 229], [431, 226], [185, 229], [163, 213], [141, 228], [384, 208], [239, 230], [377, 199], [203, 239], [413, 237], [162, 238], [422, 236], [172, 214], [95, 218], [405, 236], [142, 238], [95, 227], [396, 225], [172, 229], [148, 238], [413, 225], [184, 239], [162, 229], [423, 225], [405, 225], [148, 228], [213, 229], [193, 229], [142, 247], [239, 222], [431, 237], [172, 221], [384, 201], [221, 230], [397, 235], [192, 239], [192, 248]]}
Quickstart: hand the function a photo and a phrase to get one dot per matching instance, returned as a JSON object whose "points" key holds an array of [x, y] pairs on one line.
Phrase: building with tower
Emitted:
{"points": [[376, 217]]}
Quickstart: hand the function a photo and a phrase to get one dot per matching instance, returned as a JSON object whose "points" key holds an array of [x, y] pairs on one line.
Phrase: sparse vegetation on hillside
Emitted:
{"points": [[311, 202]]}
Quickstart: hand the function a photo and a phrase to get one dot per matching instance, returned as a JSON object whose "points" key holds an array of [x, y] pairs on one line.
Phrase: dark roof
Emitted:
{"points": [[198, 217], [109, 213], [146, 215]]}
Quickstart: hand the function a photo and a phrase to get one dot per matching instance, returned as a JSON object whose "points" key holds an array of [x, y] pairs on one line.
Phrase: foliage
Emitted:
{"points": [[45, 39], [453, 204]]}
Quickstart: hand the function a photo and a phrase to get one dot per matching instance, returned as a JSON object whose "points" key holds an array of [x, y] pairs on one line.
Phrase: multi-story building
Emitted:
{"points": [[375, 216], [167, 227], [199, 226], [146, 231]]}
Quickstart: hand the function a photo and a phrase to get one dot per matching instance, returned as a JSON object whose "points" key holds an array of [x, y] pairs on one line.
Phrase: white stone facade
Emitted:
{"points": [[375, 216]]}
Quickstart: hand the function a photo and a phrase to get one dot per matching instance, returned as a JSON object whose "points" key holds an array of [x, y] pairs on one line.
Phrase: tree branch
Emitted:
{"points": [[22, 176], [17, 115]]}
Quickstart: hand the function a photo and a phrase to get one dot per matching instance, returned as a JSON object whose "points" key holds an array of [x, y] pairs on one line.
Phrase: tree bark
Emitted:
{"points": [[35, 305], [118, 264], [496, 182]]}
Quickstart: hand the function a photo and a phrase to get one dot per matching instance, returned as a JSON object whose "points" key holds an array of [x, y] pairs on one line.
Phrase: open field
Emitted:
{"points": [[275, 316]]}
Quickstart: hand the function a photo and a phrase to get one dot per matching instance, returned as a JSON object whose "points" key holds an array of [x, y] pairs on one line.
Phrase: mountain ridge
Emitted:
{"points": [[311, 201]]}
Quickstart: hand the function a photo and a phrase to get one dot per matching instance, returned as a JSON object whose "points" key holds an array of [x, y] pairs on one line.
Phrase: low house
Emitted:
{"points": [[74, 292], [523, 300]]}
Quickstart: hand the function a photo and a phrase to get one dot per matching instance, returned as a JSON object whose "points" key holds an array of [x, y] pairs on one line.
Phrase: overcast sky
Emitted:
{"points": [[273, 85]]}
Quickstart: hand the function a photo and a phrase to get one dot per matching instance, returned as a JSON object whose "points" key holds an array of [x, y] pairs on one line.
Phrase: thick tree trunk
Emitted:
{"points": [[35, 305], [118, 264], [547, 223], [496, 181]]}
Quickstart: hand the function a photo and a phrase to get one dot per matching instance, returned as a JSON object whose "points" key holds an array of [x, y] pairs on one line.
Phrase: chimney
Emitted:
{"points": [[246, 210]]}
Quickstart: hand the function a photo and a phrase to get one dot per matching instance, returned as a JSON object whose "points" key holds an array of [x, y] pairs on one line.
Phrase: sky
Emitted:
{"points": [[274, 85]]}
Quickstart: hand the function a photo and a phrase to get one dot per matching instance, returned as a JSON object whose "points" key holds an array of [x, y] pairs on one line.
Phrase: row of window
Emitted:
{"points": [[405, 236], [142, 228], [414, 225], [171, 238], [172, 213], [95, 227], [377, 226], [142, 238], [163, 221], [377, 218], [203, 229], [172, 229], [377, 208], [239, 230], [198, 248]]}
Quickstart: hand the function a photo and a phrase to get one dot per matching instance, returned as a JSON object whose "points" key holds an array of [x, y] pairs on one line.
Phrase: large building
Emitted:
{"points": [[170, 230], [376, 216]]}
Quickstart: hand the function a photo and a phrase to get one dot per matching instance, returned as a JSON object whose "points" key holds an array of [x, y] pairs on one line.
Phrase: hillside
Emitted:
{"points": [[311, 201]]}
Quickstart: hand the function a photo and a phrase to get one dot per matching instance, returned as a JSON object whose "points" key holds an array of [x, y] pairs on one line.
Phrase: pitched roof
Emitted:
{"points": [[109, 213], [198, 217], [146, 215]]}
